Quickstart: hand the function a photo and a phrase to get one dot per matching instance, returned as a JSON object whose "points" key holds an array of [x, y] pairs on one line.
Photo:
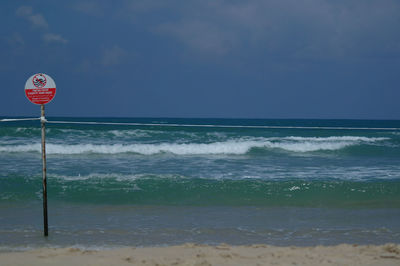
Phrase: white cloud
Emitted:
{"points": [[113, 56], [37, 20], [286, 28], [24, 11], [49, 37]]}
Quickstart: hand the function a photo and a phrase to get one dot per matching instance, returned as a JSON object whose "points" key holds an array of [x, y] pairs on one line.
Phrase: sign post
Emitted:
{"points": [[40, 89], [45, 219]]}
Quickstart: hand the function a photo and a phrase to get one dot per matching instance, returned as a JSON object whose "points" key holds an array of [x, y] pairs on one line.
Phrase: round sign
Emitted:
{"points": [[40, 88]]}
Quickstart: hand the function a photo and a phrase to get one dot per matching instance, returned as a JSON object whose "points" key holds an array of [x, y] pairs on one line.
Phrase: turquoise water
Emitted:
{"points": [[114, 185]]}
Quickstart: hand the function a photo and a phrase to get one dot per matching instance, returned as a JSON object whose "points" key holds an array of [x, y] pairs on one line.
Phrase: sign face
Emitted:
{"points": [[40, 88]]}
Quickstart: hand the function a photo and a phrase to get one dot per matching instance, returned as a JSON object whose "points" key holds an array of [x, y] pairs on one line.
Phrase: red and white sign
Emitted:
{"points": [[40, 88]]}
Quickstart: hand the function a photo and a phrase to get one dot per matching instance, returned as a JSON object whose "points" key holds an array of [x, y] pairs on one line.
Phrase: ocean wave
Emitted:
{"points": [[356, 173], [130, 133], [115, 176], [234, 146], [229, 147], [154, 190], [311, 144], [335, 138]]}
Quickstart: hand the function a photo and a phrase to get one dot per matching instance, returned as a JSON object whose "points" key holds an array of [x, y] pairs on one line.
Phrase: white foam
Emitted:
{"points": [[21, 148], [229, 147], [310, 146], [357, 173], [115, 176], [334, 138], [130, 133], [234, 146], [25, 129]]}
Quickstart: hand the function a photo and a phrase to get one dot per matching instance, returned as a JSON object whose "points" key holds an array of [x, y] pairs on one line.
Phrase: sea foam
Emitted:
{"points": [[233, 146]]}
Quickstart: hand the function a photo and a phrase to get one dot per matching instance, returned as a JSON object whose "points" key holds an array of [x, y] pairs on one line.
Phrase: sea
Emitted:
{"points": [[117, 182]]}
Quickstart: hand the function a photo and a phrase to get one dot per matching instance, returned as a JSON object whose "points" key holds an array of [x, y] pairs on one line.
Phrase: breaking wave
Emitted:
{"points": [[234, 146]]}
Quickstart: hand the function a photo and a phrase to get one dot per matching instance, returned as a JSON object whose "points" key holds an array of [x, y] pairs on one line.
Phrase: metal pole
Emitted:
{"points": [[45, 221]]}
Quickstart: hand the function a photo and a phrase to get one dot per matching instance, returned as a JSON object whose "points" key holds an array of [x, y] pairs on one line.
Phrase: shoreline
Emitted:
{"points": [[198, 254]]}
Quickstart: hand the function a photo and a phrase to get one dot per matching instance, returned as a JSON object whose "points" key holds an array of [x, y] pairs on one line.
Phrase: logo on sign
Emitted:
{"points": [[39, 80], [40, 88]]}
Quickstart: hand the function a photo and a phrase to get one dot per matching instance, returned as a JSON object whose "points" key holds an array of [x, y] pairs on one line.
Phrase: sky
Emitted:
{"points": [[324, 59]]}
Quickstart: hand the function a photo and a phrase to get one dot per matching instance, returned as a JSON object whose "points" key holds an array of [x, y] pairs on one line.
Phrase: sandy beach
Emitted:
{"points": [[194, 254]]}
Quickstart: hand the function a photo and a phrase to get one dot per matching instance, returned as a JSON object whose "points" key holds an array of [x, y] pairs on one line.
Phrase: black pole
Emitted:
{"points": [[45, 220]]}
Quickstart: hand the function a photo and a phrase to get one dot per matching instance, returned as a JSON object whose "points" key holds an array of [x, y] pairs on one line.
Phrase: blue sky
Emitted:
{"points": [[243, 59]]}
